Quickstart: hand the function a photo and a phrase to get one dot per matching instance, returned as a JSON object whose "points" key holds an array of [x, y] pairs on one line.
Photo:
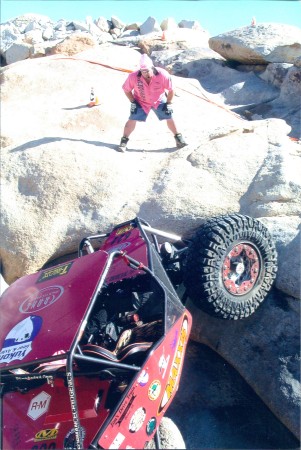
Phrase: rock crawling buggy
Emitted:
{"points": [[92, 349]]}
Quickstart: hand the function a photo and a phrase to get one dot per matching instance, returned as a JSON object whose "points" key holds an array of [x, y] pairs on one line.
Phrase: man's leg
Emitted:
{"points": [[172, 126], [128, 129], [178, 136], [164, 114]]}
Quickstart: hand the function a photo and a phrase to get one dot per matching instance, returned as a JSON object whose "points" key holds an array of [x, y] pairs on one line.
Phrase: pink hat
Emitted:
{"points": [[145, 62]]}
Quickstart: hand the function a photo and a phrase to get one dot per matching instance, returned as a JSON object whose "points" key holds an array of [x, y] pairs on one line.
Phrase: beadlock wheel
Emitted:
{"points": [[230, 266], [241, 268]]}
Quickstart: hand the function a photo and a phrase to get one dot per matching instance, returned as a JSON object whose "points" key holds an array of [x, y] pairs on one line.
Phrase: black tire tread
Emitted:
{"points": [[205, 256]]}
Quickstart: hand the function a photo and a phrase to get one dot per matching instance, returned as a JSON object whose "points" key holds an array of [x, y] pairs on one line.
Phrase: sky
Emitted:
{"points": [[215, 16]]}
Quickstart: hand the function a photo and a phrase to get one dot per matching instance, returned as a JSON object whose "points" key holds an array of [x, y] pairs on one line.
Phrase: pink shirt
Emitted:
{"points": [[148, 95]]}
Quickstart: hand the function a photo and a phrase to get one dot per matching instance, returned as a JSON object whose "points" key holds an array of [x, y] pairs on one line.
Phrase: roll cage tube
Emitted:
{"points": [[73, 355], [85, 243], [144, 227]]}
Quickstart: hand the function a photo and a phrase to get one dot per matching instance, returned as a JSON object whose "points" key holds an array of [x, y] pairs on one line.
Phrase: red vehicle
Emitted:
{"points": [[92, 349]]}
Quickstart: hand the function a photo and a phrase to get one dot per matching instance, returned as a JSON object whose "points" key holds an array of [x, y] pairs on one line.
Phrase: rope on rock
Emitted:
{"points": [[120, 69]]}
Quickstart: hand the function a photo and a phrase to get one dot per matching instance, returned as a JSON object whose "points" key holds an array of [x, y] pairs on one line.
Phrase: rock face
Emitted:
{"points": [[267, 357], [174, 186], [185, 49], [258, 90], [32, 32], [259, 44], [63, 179], [76, 43]]}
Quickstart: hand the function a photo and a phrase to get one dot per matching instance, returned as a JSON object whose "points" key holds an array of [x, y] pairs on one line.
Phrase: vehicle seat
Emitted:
{"points": [[131, 341]]}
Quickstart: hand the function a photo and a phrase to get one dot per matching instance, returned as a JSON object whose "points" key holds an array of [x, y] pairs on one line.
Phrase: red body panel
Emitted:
{"points": [[151, 393], [48, 313], [28, 308], [43, 419], [126, 239]]}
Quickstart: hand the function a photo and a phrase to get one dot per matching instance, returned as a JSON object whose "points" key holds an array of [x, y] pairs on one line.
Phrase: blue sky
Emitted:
{"points": [[215, 16]]}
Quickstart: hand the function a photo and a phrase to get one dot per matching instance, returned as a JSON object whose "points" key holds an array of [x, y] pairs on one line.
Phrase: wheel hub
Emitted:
{"points": [[241, 269]]}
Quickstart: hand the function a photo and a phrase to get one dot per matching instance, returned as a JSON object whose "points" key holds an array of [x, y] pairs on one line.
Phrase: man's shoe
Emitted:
{"points": [[180, 140], [123, 144]]}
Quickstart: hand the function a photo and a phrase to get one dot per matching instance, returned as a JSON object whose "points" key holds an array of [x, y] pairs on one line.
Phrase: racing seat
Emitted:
{"points": [[130, 342]]}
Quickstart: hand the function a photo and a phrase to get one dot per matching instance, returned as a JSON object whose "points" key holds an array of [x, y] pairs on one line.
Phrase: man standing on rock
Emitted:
{"points": [[149, 88]]}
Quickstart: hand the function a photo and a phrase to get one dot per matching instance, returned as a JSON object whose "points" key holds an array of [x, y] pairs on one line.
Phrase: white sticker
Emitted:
{"points": [[137, 420], [117, 441], [41, 299], [39, 405]]}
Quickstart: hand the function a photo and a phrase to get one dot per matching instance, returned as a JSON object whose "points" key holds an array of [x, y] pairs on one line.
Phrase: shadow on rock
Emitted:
{"points": [[215, 408], [48, 140]]}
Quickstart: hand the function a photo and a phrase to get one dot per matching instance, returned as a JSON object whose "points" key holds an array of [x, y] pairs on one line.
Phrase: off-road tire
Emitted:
{"points": [[230, 266]]}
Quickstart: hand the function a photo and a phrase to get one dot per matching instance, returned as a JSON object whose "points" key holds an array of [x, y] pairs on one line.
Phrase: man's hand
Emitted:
{"points": [[168, 109], [134, 107]]}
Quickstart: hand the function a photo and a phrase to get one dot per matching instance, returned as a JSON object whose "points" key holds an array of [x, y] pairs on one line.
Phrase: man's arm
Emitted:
{"points": [[129, 96], [170, 96]]}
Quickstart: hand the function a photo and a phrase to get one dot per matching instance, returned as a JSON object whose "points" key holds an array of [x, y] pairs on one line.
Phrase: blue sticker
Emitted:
{"points": [[17, 343], [151, 426]]}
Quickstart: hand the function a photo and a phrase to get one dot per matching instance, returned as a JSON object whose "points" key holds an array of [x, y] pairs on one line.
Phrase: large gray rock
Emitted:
{"points": [[216, 77], [18, 51], [265, 349], [191, 24], [177, 190], [34, 36], [151, 25], [260, 44], [117, 23], [24, 21], [170, 436], [48, 33], [169, 24], [34, 25], [103, 24], [275, 73], [73, 44], [285, 106], [276, 188], [9, 35], [286, 232], [80, 26], [268, 91]]}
